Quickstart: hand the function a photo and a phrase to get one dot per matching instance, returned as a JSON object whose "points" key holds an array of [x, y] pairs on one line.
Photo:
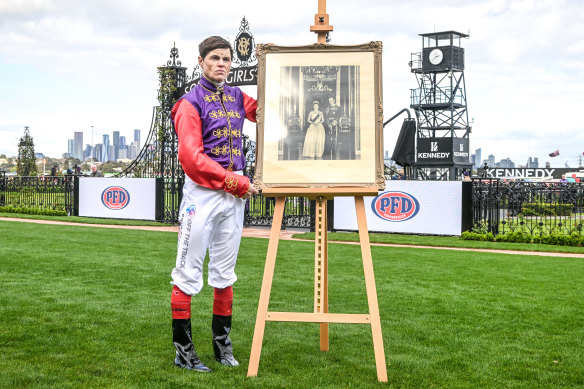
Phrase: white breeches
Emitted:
{"points": [[209, 219]]}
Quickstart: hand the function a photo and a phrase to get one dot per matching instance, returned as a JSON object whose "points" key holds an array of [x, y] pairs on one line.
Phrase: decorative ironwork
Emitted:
{"points": [[159, 156], [44, 193], [533, 208], [173, 56], [244, 47]]}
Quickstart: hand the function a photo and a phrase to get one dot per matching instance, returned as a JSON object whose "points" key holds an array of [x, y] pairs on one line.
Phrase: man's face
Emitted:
{"points": [[216, 64], [332, 101], [93, 168]]}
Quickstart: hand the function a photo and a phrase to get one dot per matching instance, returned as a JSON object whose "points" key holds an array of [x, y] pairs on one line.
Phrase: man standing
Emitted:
{"points": [[333, 113], [209, 122], [95, 172]]}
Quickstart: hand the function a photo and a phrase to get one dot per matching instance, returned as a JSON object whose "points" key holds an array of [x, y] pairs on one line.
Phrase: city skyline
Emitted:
{"points": [[105, 151], [521, 81]]}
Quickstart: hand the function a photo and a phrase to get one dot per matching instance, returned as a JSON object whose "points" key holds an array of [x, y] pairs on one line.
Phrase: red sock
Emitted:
{"points": [[180, 303], [223, 301]]}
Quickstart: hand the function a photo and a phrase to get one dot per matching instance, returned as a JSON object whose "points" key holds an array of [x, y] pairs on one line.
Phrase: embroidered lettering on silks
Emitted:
{"points": [[185, 245]]}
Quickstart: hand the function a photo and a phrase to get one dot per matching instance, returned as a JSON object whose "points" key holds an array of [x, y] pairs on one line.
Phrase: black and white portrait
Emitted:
{"points": [[319, 108]]}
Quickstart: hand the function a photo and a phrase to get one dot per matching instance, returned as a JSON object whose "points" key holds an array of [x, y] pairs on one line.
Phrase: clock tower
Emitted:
{"points": [[440, 104]]}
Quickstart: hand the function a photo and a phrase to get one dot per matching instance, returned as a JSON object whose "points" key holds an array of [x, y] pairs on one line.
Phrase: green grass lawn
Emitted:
{"points": [[89, 308], [85, 220], [443, 241]]}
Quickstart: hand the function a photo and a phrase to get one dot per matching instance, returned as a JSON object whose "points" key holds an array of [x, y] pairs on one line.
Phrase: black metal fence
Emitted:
{"points": [[530, 207], [57, 193], [497, 207], [298, 212], [53, 193]]}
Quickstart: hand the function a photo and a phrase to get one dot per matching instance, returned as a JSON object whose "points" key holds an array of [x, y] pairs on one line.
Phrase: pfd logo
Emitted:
{"points": [[115, 198], [395, 206]]}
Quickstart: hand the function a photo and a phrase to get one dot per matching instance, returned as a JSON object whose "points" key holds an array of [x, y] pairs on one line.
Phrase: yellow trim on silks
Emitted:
{"points": [[224, 132], [221, 132], [233, 114], [220, 150], [231, 184], [218, 114], [236, 151], [211, 98]]}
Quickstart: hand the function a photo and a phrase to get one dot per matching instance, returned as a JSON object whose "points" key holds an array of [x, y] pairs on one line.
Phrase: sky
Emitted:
{"points": [[67, 65]]}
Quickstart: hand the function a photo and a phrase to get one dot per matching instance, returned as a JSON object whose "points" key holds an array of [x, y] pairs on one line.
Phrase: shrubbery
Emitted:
{"points": [[554, 238], [546, 209], [469, 235], [32, 211]]}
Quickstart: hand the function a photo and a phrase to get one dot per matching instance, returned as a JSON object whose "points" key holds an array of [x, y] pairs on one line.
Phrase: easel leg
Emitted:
{"points": [[371, 290], [258, 336], [321, 269]]}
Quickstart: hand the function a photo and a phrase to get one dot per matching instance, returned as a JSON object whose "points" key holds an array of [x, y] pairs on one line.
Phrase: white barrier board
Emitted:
{"points": [[420, 207], [118, 198]]}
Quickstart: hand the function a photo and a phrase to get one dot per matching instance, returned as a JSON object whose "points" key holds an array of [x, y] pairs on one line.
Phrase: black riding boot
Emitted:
{"points": [[221, 343], [186, 356]]}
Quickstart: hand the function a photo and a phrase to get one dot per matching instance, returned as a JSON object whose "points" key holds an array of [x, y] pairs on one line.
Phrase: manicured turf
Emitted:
{"points": [[85, 220], [89, 308], [443, 241]]}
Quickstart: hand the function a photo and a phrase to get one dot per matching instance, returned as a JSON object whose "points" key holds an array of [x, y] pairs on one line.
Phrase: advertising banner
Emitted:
{"points": [[419, 207], [439, 151], [118, 198], [527, 173]]}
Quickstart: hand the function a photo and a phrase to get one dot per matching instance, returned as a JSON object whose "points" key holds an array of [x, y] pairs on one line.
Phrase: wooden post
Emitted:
{"points": [[321, 22], [371, 290], [258, 333], [321, 268], [321, 314]]}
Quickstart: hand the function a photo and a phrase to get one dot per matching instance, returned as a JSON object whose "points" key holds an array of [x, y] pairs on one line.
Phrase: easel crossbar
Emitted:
{"points": [[305, 317]]}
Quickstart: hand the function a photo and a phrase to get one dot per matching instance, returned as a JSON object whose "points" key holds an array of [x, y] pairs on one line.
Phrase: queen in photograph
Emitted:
{"points": [[319, 109], [315, 135]]}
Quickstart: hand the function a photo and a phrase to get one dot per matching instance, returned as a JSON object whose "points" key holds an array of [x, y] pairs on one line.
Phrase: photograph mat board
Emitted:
{"points": [[293, 172]]}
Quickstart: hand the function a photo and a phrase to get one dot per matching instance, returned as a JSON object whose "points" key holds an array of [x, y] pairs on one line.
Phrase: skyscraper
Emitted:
{"points": [[116, 144], [78, 145], [136, 143], [97, 152], [478, 158], [105, 150], [87, 152]]}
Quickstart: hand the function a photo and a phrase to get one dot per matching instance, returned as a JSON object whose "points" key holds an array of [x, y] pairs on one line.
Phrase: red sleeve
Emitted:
{"points": [[250, 104], [197, 165]]}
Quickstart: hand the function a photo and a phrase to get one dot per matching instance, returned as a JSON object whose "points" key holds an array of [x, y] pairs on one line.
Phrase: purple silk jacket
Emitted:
{"points": [[222, 111]]}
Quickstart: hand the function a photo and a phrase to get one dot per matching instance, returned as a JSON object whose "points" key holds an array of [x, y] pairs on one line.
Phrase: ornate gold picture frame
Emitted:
{"points": [[320, 117]]}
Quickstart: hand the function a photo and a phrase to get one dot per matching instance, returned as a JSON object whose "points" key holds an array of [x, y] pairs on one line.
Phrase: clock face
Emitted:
{"points": [[436, 56]]}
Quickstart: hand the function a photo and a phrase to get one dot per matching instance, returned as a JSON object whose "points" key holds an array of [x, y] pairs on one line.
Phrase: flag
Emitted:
{"points": [[555, 153]]}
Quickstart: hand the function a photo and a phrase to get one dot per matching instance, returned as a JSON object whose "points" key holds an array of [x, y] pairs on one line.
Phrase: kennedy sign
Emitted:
{"points": [[438, 151], [522, 173]]}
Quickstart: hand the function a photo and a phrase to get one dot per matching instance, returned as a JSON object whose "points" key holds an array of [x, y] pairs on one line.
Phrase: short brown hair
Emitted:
{"points": [[212, 43]]}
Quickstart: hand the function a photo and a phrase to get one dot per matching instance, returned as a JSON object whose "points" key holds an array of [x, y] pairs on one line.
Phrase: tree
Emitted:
{"points": [[26, 161]]}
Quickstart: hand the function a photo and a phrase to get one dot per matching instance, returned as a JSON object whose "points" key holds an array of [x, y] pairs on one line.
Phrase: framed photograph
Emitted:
{"points": [[320, 117]]}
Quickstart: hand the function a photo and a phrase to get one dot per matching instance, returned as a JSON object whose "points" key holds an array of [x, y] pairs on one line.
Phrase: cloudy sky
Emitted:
{"points": [[67, 65]]}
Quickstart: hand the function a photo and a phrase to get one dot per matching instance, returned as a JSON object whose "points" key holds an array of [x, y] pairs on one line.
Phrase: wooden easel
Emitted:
{"points": [[321, 314]]}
